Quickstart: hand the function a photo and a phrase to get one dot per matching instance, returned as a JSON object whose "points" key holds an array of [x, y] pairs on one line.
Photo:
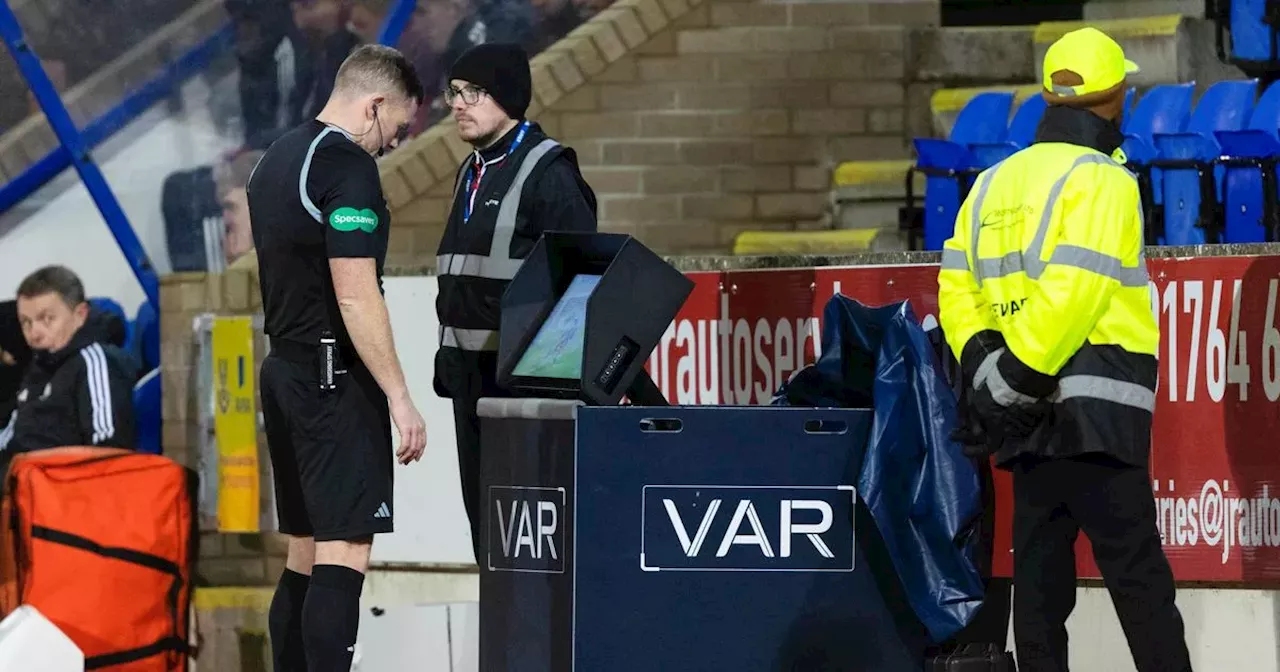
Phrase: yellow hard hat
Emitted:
{"points": [[1092, 55]]}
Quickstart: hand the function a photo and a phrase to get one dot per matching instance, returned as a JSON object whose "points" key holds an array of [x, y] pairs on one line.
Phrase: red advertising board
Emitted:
{"points": [[1215, 456]]}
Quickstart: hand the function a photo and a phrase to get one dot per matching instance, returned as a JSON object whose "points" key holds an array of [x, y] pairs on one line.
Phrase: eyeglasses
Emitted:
{"points": [[470, 94]]}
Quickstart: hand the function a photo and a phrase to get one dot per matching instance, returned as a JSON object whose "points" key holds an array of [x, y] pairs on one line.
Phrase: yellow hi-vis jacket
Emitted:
{"points": [[1048, 254]]}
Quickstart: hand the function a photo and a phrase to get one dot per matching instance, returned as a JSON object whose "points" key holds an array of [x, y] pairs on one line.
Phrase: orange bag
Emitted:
{"points": [[103, 542]]}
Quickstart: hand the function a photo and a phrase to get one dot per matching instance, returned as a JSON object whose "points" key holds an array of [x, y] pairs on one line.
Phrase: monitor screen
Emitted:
{"points": [[556, 350]]}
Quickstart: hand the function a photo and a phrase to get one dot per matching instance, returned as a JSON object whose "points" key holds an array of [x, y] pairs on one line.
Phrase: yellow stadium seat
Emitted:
{"points": [[862, 173], [1119, 29], [945, 101], [804, 242]]}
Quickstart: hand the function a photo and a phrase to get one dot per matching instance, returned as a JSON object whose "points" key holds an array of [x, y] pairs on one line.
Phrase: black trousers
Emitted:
{"points": [[1113, 504], [467, 425]]}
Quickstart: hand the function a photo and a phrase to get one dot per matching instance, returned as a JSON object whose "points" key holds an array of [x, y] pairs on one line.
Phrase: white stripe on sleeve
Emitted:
{"points": [[99, 382], [6, 434]]}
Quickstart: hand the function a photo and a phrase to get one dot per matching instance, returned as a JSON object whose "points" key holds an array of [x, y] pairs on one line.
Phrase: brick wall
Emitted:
{"points": [[225, 559], [695, 123]]}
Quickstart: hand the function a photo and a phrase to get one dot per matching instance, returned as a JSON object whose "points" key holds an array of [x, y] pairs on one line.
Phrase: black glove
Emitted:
{"points": [[1003, 401], [969, 432], [1015, 422]]}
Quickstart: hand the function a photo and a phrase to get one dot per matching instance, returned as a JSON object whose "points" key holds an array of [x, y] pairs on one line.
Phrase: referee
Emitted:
{"points": [[320, 228]]}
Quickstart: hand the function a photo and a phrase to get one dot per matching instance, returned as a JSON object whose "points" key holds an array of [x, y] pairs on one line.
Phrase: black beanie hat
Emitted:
{"points": [[501, 69]]}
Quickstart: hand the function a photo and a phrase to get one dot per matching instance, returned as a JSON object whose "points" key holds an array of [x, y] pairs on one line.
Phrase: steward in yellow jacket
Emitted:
{"points": [[1043, 297]]}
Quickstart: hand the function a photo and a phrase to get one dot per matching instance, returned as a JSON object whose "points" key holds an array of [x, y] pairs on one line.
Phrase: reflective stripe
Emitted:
{"points": [[954, 260], [472, 340], [998, 268], [506, 228], [975, 223], [1102, 264], [1105, 389], [1003, 393], [498, 265], [478, 266], [984, 369], [302, 177], [1076, 257], [988, 374]]}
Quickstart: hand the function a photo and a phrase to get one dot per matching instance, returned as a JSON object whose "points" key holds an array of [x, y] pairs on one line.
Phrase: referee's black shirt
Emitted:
{"points": [[314, 196]]}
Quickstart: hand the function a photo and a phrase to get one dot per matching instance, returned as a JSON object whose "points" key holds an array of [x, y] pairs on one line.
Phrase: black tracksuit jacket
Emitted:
{"points": [[81, 395]]}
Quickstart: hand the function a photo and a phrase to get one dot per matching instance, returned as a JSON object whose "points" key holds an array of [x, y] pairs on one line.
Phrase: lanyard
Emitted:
{"points": [[476, 172]]}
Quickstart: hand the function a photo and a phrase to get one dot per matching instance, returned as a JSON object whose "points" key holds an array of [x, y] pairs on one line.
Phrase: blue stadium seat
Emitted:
{"points": [[107, 305], [1252, 38], [1249, 194], [1163, 109], [1022, 132], [1189, 177], [147, 402], [949, 165], [110, 306], [146, 337]]}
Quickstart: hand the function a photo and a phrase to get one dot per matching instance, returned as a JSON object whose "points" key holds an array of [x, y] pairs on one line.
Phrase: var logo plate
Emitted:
{"points": [[702, 528], [526, 529]]}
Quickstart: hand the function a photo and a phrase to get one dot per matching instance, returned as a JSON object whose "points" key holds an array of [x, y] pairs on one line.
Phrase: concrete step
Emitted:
{"points": [[1101, 10]]}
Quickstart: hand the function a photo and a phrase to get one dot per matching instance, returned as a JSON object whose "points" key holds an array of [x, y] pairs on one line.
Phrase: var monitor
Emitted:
{"points": [[556, 348], [582, 315]]}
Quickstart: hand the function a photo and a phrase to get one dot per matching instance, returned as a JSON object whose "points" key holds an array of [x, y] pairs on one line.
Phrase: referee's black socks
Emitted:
{"points": [[284, 622], [331, 617]]}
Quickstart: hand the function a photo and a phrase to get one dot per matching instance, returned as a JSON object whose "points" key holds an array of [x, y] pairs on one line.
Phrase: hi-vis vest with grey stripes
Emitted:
{"points": [[1072, 384], [498, 263]]}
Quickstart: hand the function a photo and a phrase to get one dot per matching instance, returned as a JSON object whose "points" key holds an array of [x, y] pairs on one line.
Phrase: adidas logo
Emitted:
{"points": [[383, 511]]}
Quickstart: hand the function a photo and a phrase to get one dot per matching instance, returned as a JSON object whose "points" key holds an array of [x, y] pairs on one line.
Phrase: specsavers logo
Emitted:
{"points": [[350, 219]]}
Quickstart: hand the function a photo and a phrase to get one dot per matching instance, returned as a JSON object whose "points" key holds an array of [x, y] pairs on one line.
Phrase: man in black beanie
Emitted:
{"points": [[517, 184]]}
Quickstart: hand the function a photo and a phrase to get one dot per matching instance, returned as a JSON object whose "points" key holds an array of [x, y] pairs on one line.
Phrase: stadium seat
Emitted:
{"points": [[1022, 132], [1189, 176], [146, 337], [1162, 109], [1249, 194], [1253, 39], [110, 306], [147, 404], [949, 165]]}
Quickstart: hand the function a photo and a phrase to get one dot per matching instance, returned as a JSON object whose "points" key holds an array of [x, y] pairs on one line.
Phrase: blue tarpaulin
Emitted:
{"points": [[921, 490]]}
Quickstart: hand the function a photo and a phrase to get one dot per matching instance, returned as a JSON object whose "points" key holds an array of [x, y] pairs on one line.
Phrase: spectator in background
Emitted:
{"points": [[589, 8], [78, 387], [268, 48], [438, 33], [14, 355], [327, 43], [458, 25], [555, 18], [232, 181]]}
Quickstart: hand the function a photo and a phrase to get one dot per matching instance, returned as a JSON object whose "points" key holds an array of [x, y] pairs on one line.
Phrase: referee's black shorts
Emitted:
{"points": [[330, 451]]}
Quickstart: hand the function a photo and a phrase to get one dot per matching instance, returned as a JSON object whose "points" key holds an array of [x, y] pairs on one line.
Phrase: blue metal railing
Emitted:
{"points": [[397, 19], [75, 145], [99, 130]]}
